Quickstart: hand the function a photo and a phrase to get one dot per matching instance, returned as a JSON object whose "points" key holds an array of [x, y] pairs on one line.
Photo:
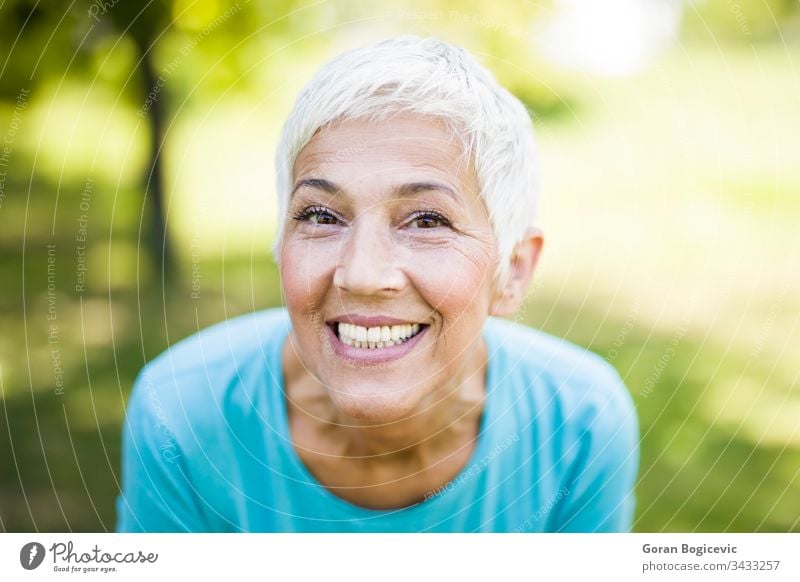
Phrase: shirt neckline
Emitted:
{"points": [[445, 491]]}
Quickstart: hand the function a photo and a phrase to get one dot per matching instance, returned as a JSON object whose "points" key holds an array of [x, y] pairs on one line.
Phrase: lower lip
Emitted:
{"points": [[372, 356]]}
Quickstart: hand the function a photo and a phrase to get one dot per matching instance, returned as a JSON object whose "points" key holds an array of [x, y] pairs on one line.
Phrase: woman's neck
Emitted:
{"points": [[448, 416]]}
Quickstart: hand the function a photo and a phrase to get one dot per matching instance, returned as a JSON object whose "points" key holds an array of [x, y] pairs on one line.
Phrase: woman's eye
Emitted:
{"points": [[322, 218], [427, 220], [316, 216]]}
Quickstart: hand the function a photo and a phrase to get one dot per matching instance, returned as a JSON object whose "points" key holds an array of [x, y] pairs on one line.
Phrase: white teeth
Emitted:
{"points": [[376, 337], [374, 334]]}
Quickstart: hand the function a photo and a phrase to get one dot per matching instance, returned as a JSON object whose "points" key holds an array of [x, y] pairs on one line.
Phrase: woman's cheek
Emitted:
{"points": [[452, 279], [304, 268]]}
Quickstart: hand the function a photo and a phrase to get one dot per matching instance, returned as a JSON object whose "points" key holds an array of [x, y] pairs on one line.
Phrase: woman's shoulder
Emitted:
{"points": [[226, 344], [527, 346], [565, 393], [550, 368], [225, 363]]}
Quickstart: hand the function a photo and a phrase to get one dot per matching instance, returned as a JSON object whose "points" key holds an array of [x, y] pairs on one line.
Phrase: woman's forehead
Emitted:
{"points": [[356, 150], [410, 139]]}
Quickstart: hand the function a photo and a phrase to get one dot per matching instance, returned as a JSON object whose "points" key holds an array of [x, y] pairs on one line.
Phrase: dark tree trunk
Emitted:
{"points": [[154, 186]]}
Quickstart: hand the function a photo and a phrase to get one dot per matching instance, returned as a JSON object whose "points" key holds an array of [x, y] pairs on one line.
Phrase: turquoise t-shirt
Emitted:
{"points": [[206, 443]]}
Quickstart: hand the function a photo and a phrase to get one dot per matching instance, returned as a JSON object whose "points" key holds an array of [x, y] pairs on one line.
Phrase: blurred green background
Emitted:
{"points": [[137, 206]]}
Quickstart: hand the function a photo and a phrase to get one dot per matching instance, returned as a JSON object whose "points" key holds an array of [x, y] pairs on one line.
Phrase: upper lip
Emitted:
{"points": [[370, 320]]}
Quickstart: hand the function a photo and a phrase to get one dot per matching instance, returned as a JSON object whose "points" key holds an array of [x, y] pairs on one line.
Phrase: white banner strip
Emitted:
{"points": [[388, 557]]}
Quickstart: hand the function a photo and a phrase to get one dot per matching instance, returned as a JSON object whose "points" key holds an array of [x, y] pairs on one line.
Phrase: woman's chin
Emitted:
{"points": [[372, 406]]}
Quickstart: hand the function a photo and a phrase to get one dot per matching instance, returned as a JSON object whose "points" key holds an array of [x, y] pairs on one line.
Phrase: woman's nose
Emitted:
{"points": [[368, 262]]}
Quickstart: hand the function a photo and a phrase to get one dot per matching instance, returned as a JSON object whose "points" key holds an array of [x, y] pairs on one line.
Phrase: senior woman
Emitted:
{"points": [[388, 394]]}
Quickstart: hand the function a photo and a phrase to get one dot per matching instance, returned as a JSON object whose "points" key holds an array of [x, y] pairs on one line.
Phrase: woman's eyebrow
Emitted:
{"points": [[412, 188], [319, 184], [400, 191]]}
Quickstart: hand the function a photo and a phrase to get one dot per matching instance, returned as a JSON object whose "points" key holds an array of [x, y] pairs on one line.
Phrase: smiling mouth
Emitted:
{"points": [[376, 338]]}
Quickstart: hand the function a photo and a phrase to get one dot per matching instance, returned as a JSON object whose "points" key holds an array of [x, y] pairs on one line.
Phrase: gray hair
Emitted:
{"points": [[429, 77]]}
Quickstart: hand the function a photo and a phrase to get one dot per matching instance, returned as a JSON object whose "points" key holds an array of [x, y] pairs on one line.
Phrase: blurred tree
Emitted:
{"points": [[145, 26], [43, 41]]}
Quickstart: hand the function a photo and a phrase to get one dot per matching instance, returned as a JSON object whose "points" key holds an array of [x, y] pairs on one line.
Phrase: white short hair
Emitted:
{"points": [[429, 77]]}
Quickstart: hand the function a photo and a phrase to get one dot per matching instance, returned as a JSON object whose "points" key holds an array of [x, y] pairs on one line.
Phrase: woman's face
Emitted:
{"points": [[386, 264]]}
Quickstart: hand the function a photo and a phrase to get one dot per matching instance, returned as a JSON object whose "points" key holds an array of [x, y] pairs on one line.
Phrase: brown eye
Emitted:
{"points": [[427, 220], [322, 218], [316, 215]]}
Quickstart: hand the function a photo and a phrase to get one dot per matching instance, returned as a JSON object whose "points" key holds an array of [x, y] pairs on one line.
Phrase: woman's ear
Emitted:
{"points": [[520, 272]]}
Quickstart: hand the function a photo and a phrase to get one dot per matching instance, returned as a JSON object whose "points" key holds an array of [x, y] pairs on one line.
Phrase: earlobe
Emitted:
{"points": [[522, 265]]}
